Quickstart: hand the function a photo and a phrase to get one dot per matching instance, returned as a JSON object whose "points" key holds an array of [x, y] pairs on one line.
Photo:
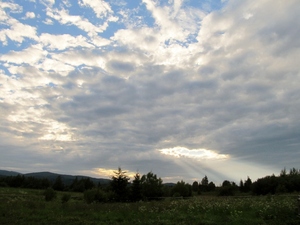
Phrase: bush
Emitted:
{"points": [[96, 195], [226, 191], [3, 184], [65, 198], [49, 194]]}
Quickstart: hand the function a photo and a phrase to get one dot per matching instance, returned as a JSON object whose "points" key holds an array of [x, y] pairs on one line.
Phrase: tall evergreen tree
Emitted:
{"points": [[58, 184], [136, 188], [119, 184], [241, 188], [204, 184], [248, 185]]}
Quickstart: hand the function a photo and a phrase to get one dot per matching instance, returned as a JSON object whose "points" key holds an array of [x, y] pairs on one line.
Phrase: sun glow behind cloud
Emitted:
{"points": [[199, 154], [108, 173]]}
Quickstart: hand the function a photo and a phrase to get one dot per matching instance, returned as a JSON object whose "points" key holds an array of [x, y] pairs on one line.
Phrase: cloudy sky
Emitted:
{"points": [[182, 88]]}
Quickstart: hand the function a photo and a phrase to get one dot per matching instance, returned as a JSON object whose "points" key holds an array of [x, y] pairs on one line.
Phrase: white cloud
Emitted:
{"points": [[62, 42], [145, 39], [100, 7], [199, 154], [31, 55], [14, 8], [15, 32], [49, 3], [82, 23], [174, 21], [30, 15], [162, 16], [56, 131], [57, 66]]}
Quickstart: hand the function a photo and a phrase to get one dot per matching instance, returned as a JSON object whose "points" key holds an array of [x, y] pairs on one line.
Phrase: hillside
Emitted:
{"points": [[67, 179]]}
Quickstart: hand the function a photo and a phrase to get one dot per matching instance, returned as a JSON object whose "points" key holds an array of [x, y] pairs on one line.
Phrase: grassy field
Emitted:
{"points": [[23, 206]]}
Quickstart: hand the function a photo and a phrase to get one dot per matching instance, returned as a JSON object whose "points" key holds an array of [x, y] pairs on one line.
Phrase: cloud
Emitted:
{"points": [[100, 7], [225, 80], [199, 154], [63, 17], [64, 41], [15, 31], [30, 15], [31, 55], [14, 8]]}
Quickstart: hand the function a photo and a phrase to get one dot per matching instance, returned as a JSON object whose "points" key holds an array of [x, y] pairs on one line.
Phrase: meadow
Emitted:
{"points": [[27, 206]]}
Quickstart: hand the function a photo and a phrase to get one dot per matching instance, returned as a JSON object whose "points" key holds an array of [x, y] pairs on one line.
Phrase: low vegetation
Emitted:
{"points": [[27, 206], [146, 200]]}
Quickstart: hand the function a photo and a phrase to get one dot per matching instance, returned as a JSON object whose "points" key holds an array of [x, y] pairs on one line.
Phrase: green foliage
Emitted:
{"points": [[65, 198], [49, 194], [3, 184], [90, 195], [81, 185], [182, 189], [98, 195], [23, 206], [226, 191], [205, 185], [152, 187]]}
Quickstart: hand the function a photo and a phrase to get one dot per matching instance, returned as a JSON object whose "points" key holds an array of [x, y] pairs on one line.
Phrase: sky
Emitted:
{"points": [[181, 88]]}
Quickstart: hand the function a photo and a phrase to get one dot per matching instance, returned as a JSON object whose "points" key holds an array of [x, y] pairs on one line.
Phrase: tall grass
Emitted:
{"points": [[21, 206]]}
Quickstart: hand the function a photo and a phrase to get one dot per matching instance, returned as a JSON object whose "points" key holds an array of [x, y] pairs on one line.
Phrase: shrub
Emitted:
{"points": [[3, 184], [226, 191], [65, 198], [49, 194], [96, 195]]}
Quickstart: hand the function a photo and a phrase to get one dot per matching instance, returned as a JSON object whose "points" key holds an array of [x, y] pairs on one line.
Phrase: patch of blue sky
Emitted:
{"points": [[28, 6], [112, 29], [57, 28], [133, 4], [146, 15], [136, 12], [192, 38], [15, 46], [77, 10], [4, 68], [51, 85], [207, 5]]}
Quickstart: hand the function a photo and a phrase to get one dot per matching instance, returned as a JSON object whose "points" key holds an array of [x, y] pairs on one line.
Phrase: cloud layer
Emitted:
{"points": [[102, 84]]}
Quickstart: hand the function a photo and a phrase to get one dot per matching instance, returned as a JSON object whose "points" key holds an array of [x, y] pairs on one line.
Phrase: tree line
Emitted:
{"points": [[150, 187]]}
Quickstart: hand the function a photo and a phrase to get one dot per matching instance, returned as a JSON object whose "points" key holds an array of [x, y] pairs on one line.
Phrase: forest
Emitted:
{"points": [[151, 187]]}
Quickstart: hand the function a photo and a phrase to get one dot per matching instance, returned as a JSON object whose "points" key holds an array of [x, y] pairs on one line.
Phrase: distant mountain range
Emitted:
{"points": [[67, 179]]}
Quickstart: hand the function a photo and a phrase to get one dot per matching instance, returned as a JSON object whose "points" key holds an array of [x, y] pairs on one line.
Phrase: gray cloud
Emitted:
{"points": [[234, 91]]}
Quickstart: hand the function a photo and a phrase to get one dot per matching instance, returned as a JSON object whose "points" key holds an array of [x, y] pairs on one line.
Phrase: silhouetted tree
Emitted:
{"points": [[119, 185], [226, 183], [182, 189], [195, 186], [88, 184], [204, 184], [241, 187], [211, 186], [228, 188], [136, 188], [152, 187], [58, 184], [17, 181], [248, 185]]}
